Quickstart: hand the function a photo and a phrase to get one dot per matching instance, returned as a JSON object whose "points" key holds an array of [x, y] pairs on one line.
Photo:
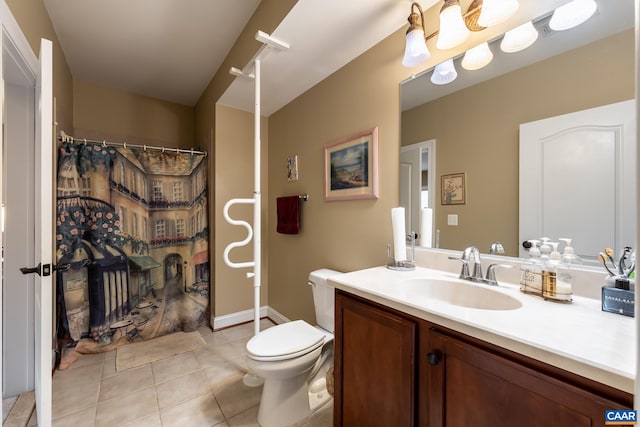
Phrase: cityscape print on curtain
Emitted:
{"points": [[132, 227]]}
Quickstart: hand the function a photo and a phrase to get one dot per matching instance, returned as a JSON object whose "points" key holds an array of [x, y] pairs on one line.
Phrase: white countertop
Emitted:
{"points": [[578, 337]]}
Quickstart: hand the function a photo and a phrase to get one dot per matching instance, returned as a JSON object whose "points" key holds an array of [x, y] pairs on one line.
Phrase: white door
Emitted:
{"points": [[44, 233], [416, 161], [578, 172]]}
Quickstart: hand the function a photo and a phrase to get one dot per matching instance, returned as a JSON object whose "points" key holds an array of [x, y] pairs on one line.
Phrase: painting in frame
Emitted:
{"points": [[351, 167], [452, 189], [292, 168]]}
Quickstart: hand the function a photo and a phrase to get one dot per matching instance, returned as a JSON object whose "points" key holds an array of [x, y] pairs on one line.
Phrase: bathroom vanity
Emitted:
{"points": [[404, 358]]}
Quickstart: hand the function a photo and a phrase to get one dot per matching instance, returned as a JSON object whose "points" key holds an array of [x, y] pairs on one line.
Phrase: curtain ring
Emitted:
{"points": [[163, 148], [104, 143], [85, 141], [144, 147], [125, 145]]}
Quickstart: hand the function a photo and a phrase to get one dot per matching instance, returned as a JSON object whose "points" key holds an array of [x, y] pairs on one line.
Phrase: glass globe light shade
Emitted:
{"points": [[496, 11], [416, 51], [572, 14], [519, 38], [453, 30], [444, 73], [477, 57]]}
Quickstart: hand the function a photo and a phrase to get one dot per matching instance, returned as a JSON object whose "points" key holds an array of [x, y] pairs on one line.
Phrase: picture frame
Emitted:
{"points": [[351, 167], [453, 189], [292, 168]]}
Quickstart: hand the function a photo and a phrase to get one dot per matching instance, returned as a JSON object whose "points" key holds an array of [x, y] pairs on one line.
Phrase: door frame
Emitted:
{"points": [[23, 56]]}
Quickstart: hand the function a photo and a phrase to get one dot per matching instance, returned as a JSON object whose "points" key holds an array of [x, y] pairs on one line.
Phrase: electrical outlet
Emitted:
{"points": [[452, 219]]}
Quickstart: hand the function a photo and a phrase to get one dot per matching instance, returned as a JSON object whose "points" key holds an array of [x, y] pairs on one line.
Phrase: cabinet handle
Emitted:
{"points": [[434, 357]]}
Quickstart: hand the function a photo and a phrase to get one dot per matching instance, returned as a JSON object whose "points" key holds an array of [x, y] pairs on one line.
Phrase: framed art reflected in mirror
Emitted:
{"points": [[452, 189]]}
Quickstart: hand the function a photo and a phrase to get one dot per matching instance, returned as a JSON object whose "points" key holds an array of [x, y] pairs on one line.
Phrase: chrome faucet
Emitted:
{"points": [[476, 276], [477, 266], [496, 248]]}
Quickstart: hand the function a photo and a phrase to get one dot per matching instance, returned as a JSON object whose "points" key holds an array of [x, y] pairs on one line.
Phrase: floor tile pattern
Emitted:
{"points": [[199, 388]]}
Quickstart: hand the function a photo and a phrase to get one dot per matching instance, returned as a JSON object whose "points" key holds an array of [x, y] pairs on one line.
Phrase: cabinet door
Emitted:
{"points": [[374, 366], [469, 386]]}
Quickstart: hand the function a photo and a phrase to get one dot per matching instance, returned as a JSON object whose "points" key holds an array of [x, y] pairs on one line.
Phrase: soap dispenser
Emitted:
{"points": [[556, 279], [531, 271], [568, 255], [545, 248]]}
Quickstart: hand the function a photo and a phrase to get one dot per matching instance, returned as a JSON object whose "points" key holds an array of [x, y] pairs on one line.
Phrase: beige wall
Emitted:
{"points": [[342, 235], [476, 132], [235, 179], [102, 112], [224, 299], [34, 21]]}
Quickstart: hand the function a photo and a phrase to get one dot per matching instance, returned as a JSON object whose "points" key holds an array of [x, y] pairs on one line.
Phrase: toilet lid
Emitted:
{"points": [[285, 341]]}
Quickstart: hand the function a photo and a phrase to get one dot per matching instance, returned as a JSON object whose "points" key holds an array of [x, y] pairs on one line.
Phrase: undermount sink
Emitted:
{"points": [[463, 294]]}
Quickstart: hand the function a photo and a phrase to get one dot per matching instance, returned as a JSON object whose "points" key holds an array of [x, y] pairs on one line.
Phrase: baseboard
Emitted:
{"points": [[236, 318], [239, 317], [276, 317]]}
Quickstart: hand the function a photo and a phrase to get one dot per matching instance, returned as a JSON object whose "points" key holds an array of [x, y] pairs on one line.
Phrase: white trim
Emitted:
{"points": [[236, 318], [17, 37], [277, 317], [245, 316]]}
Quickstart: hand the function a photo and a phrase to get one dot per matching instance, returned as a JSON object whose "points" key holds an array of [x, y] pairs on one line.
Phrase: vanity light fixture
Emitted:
{"points": [[453, 24], [572, 14], [453, 30], [496, 11], [444, 73], [415, 51], [519, 38], [477, 57]]}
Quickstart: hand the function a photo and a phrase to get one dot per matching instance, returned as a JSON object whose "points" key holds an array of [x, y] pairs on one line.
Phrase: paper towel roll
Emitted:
{"points": [[399, 238], [426, 227]]}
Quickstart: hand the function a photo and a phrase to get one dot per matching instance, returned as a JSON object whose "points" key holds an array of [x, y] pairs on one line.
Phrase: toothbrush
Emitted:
{"points": [[609, 253], [603, 261]]}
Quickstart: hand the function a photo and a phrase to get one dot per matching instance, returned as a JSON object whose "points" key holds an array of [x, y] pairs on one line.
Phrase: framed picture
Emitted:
{"points": [[452, 189], [351, 167], [292, 168]]}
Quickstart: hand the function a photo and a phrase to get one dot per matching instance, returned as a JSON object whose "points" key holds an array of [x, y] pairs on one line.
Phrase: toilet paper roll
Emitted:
{"points": [[426, 227], [399, 238]]}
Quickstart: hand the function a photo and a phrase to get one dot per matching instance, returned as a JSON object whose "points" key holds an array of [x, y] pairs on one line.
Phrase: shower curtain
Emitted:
{"points": [[131, 243]]}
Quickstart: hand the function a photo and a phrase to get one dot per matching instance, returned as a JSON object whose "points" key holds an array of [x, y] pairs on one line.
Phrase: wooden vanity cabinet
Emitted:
{"points": [[374, 365], [392, 369], [470, 386]]}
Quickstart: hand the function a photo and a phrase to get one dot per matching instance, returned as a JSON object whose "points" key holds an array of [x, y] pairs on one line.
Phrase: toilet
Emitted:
{"points": [[293, 358]]}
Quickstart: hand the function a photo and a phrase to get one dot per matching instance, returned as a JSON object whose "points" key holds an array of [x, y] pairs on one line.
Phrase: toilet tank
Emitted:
{"points": [[323, 297]]}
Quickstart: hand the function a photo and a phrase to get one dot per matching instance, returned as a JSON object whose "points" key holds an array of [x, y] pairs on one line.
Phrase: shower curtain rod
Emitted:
{"points": [[67, 138]]}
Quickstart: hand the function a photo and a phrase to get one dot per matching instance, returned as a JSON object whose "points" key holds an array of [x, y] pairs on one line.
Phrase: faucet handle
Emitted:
{"points": [[491, 273], [464, 273]]}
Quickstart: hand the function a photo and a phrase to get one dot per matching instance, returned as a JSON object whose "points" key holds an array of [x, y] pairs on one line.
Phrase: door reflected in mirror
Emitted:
{"points": [[417, 195]]}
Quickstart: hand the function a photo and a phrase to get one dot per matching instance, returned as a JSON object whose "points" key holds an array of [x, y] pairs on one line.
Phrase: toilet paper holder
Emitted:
{"points": [[407, 265]]}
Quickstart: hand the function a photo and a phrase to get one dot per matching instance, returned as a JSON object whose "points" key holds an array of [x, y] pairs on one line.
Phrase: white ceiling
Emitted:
{"points": [[170, 49], [166, 49]]}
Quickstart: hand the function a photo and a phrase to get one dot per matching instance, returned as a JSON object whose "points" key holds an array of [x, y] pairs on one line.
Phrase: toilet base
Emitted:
{"points": [[284, 402]]}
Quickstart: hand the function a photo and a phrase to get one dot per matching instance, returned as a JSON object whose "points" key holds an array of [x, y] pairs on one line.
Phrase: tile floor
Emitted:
{"points": [[198, 388]]}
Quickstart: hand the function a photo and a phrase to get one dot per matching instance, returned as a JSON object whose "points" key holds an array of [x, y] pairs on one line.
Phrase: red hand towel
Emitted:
{"points": [[288, 215]]}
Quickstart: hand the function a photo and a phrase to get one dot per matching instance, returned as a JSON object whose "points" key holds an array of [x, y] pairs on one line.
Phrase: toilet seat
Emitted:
{"points": [[286, 341]]}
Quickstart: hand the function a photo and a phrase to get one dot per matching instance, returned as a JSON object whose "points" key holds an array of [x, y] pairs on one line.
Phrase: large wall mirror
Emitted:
{"points": [[474, 122]]}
